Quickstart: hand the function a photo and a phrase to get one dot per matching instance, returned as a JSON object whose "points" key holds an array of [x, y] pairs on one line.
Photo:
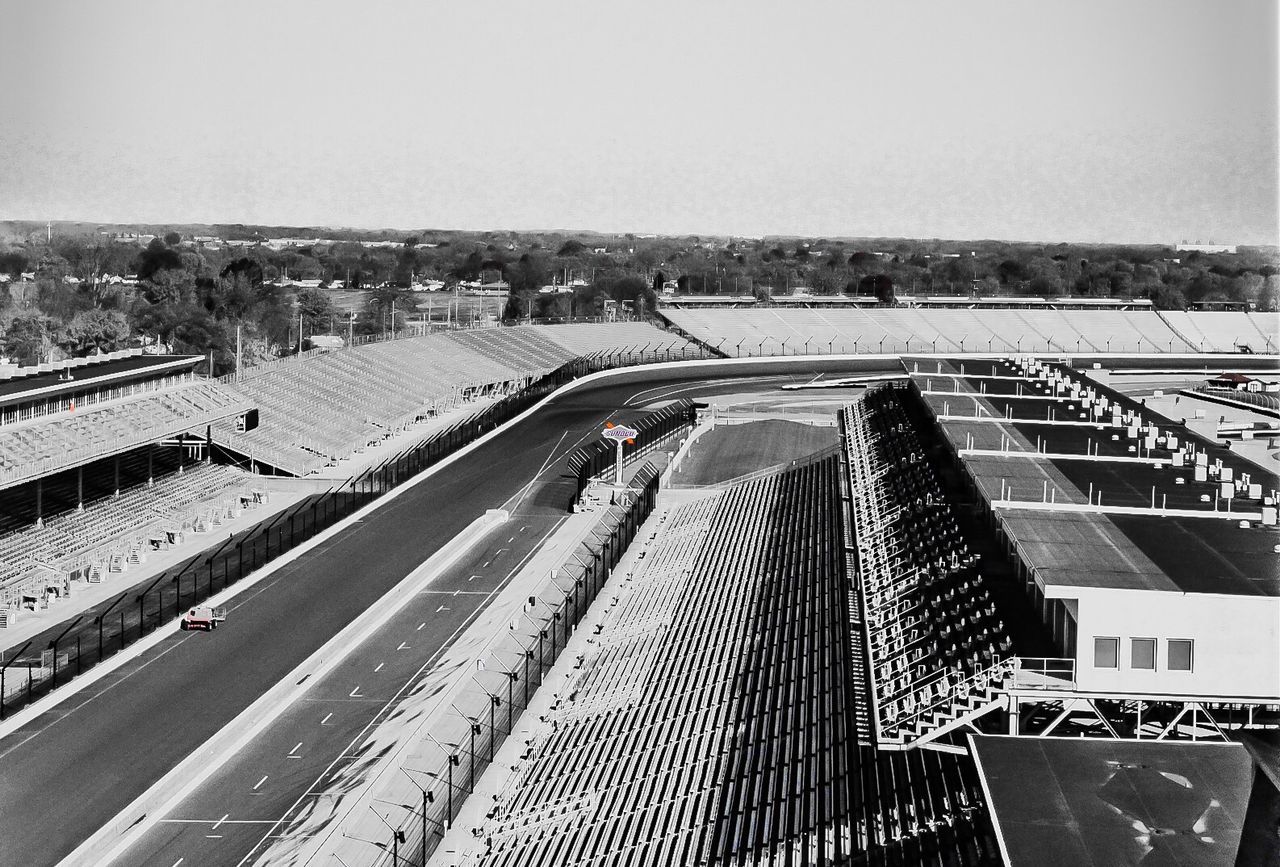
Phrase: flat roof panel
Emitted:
{"points": [[1090, 802]]}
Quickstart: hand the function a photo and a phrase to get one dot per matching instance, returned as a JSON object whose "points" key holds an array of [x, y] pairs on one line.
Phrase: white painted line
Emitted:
{"points": [[486, 564], [179, 861], [512, 539], [337, 771], [222, 821], [260, 782], [419, 629], [403, 646], [379, 668], [441, 608], [325, 721], [473, 577], [293, 753], [355, 693], [224, 818], [213, 836]]}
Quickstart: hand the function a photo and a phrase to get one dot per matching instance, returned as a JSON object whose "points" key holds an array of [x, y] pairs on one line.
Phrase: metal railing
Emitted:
{"points": [[1042, 672]]}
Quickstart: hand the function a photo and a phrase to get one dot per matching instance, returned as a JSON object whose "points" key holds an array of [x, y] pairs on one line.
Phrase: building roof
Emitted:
{"points": [[88, 373], [1067, 801]]}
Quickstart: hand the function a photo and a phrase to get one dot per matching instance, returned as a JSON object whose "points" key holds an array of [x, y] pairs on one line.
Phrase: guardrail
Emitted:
{"points": [[1039, 672]]}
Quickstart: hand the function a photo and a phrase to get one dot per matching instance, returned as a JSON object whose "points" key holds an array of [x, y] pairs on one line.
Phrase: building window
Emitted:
{"points": [[1180, 654], [1106, 653], [1142, 654]]}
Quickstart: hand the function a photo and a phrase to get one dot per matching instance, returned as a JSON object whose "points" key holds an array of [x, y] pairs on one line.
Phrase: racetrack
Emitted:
{"points": [[73, 768]]}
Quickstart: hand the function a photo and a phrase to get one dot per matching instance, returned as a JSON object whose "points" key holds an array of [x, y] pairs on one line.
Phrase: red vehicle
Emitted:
{"points": [[203, 617]]}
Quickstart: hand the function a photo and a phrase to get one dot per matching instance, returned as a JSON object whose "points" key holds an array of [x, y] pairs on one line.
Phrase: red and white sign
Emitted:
{"points": [[620, 433]]}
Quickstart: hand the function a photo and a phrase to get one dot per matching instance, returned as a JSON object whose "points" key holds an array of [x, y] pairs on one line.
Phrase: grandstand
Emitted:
{"points": [[786, 331], [115, 533], [84, 490], [710, 719], [837, 662], [325, 406]]}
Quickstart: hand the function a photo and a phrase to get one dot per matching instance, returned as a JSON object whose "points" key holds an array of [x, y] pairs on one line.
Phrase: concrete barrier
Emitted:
{"points": [[115, 837]]}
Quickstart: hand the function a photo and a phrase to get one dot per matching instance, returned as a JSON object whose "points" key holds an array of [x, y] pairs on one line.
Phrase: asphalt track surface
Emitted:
{"points": [[73, 768]]}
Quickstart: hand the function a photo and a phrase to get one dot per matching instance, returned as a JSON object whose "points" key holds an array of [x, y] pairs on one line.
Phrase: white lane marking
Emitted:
{"points": [[325, 721], [379, 668], [441, 608], [486, 564], [448, 643], [551, 454], [213, 836], [224, 818], [260, 782], [293, 753], [223, 821], [355, 693], [512, 539], [179, 861], [403, 646], [419, 629], [473, 577]]}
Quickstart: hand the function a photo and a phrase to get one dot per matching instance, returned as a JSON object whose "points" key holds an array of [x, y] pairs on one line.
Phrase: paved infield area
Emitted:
{"points": [[73, 768]]}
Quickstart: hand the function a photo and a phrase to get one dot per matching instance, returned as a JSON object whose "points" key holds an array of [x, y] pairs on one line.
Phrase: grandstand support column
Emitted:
{"points": [[80, 488], [39, 502], [151, 454], [208, 444], [116, 487], [1012, 716]]}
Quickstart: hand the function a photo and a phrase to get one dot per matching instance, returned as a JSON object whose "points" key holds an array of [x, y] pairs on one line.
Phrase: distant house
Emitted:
{"points": [[1240, 382]]}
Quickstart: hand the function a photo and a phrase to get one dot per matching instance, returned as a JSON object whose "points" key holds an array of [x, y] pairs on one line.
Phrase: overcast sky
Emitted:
{"points": [[1026, 120]]}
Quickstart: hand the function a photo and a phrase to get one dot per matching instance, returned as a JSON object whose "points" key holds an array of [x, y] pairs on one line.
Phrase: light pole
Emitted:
{"points": [[428, 798], [806, 344], [452, 763]]}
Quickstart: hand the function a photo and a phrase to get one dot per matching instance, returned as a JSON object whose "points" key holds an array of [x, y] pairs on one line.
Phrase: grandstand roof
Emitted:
{"points": [[1141, 551], [47, 445], [88, 372], [1080, 801]]}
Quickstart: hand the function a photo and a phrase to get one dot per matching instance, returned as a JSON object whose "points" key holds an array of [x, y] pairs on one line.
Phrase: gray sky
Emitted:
{"points": [[1030, 119]]}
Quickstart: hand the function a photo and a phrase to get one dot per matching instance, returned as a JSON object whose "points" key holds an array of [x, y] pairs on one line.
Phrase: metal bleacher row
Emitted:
{"points": [[779, 331], [935, 640], [321, 407], [705, 720], [709, 719], [113, 533], [33, 448]]}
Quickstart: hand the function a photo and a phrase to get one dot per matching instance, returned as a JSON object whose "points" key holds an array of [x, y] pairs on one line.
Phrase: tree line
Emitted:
{"points": [[62, 297]]}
